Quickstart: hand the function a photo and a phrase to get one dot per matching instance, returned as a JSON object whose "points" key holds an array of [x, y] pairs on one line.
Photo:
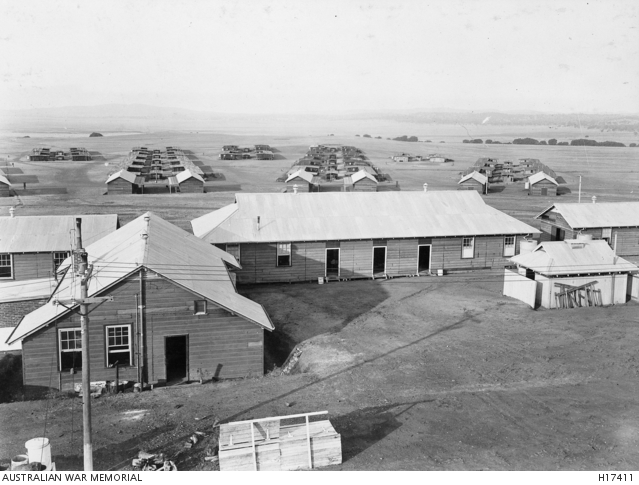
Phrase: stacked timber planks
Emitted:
{"points": [[272, 444]]}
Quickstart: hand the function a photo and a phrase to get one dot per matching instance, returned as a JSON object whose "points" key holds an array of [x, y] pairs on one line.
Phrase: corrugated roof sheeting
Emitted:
{"points": [[4, 180], [123, 174], [539, 176], [31, 234], [362, 174], [168, 251], [481, 178], [187, 174], [601, 214], [573, 256], [303, 174], [23, 290], [343, 216]]}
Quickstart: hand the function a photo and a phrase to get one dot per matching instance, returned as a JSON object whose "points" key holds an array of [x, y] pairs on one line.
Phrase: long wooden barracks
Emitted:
{"points": [[175, 314], [615, 222], [303, 237]]}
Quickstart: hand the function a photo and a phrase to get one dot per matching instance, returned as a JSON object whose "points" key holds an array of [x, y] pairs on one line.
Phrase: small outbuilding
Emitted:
{"points": [[264, 155], [301, 179], [570, 273], [189, 182], [542, 184], [361, 181], [5, 186], [121, 182], [474, 181]]}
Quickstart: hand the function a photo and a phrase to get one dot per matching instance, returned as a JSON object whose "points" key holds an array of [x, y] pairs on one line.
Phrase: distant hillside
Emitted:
{"points": [[603, 122]]}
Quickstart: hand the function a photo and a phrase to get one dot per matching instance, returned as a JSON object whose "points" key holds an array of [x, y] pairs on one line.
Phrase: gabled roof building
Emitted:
{"points": [[175, 314], [615, 222], [284, 237]]}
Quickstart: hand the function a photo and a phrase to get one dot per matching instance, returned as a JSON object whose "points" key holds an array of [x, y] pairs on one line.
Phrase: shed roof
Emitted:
{"points": [[4, 180], [24, 290], [303, 174], [572, 256], [15, 346], [187, 174], [343, 216], [479, 177], [32, 234], [539, 176], [123, 174], [167, 250], [605, 214], [362, 174]]}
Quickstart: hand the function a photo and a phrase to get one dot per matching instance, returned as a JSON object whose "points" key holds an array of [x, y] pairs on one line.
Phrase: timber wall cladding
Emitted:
{"points": [[28, 266], [192, 185], [220, 343], [356, 258], [119, 186]]}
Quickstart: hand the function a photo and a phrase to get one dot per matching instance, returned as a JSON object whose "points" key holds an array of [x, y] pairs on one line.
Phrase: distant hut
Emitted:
{"points": [[246, 156], [5, 190], [264, 155], [302, 179], [121, 182], [361, 181], [262, 147], [230, 148], [474, 181], [190, 182], [542, 184]]}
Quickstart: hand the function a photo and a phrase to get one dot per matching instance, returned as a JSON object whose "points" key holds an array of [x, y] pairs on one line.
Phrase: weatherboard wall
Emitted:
{"points": [[120, 186], [308, 259], [536, 188], [192, 186], [221, 344], [28, 266]]}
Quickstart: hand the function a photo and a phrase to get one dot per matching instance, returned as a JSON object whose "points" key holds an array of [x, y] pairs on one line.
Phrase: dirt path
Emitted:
{"points": [[410, 381]]}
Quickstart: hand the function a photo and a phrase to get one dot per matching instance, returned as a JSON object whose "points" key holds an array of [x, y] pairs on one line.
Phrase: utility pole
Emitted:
{"points": [[83, 270], [579, 189]]}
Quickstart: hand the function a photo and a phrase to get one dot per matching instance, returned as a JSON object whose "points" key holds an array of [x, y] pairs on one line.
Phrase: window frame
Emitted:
{"points": [[514, 245], [472, 246], [56, 266], [239, 251], [75, 350], [206, 307], [10, 266], [288, 254], [107, 346]]}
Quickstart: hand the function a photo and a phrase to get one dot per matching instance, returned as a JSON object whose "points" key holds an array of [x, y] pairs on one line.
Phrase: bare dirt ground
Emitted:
{"points": [[417, 373], [411, 381]]}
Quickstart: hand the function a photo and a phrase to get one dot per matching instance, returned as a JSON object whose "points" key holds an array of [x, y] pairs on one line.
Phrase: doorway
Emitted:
{"points": [[332, 263], [176, 356], [423, 258], [544, 191], [379, 260]]}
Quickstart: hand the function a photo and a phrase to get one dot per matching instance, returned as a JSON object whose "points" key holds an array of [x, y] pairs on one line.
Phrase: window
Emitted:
{"points": [[199, 307], [6, 268], [468, 247], [234, 250], [70, 349], [118, 345], [606, 235], [58, 259], [509, 246], [284, 254]]}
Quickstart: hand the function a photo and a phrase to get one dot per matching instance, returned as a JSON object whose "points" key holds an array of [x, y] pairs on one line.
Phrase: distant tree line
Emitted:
{"points": [[579, 142], [406, 138]]}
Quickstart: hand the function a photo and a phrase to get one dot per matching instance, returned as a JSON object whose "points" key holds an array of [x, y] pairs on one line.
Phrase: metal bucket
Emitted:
{"points": [[39, 450]]}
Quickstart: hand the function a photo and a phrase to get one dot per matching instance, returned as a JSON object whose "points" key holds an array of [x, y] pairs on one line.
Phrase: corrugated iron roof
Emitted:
{"points": [[604, 214], [343, 216], [539, 176], [167, 250], [4, 180], [362, 174], [481, 178], [32, 234], [23, 290], [303, 174], [573, 256], [5, 332], [187, 174], [123, 174]]}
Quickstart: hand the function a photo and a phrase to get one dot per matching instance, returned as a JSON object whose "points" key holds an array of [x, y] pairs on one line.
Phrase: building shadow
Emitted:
{"points": [[223, 188], [563, 190]]}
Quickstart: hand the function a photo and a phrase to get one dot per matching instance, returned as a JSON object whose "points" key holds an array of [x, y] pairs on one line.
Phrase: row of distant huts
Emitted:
{"points": [[47, 155], [235, 152], [176, 313]]}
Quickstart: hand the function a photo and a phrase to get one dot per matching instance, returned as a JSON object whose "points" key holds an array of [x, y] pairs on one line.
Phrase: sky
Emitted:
{"points": [[331, 56]]}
